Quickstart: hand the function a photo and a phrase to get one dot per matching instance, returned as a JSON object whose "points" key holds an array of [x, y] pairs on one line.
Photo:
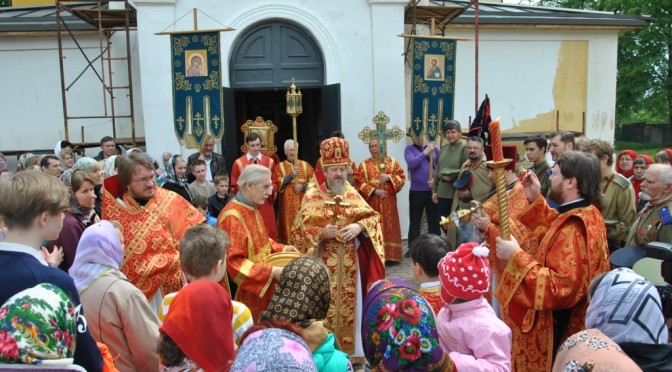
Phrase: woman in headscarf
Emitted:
{"points": [[67, 159], [95, 171], [303, 297], [627, 309], [199, 319], [178, 182], [78, 217], [591, 351], [110, 166], [624, 162], [21, 161], [274, 346], [117, 313], [37, 326], [399, 331], [664, 156]]}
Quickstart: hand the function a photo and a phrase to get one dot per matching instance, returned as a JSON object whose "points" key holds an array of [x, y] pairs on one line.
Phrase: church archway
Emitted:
{"points": [[263, 61]]}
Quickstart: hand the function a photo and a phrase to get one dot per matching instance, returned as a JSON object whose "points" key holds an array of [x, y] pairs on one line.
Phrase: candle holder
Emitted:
{"points": [[464, 215], [502, 201]]}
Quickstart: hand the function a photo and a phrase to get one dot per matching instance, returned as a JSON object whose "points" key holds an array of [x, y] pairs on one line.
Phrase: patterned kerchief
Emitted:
{"points": [[591, 350], [303, 293], [37, 326], [274, 349], [399, 331], [626, 307]]}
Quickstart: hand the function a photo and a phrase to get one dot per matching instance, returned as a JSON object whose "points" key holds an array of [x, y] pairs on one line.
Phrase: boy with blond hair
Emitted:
{"points": [[203, 257]]}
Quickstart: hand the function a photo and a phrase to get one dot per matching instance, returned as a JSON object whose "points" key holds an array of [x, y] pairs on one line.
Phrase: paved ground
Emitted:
{"points": [[402, 270]]}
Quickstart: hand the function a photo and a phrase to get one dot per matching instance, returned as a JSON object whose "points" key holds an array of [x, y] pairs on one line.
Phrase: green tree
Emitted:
{"points": [[644, 89]]}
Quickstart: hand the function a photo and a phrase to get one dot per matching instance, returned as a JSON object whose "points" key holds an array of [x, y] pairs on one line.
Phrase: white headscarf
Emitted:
{"points": [[627, 308]]}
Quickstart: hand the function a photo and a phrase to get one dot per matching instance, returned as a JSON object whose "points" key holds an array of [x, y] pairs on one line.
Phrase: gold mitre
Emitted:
{"points": [[335, 151]]}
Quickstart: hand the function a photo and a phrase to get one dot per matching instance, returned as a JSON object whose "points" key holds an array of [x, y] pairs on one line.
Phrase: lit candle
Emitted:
{"points": [[496, 141]]}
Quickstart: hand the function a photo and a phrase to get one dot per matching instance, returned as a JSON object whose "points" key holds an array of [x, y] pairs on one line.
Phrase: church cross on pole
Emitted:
{"points": [[381, 133]]}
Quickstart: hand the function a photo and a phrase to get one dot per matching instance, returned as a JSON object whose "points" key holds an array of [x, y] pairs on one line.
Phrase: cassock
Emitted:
{"points": [[368, 180], [544, 292], [266, 209], [250, 246], [289, 202], [152, 236], [354, 265]]}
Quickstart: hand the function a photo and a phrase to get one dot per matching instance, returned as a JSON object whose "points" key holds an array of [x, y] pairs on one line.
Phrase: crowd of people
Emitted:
{"points": [[121, 262]]}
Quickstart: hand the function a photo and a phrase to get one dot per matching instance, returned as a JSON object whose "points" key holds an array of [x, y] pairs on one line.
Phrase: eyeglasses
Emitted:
{"points": [[144, 180]]}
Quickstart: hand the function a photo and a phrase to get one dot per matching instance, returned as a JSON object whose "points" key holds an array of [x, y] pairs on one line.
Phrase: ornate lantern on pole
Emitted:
{"points": [[294, 109]]}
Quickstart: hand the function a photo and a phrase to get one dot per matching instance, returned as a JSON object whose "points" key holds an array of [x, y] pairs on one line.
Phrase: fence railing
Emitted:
{"points": [[656, 134]]}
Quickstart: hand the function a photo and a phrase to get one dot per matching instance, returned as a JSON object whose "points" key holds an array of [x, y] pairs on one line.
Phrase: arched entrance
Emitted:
{"points": [[264, 60]]}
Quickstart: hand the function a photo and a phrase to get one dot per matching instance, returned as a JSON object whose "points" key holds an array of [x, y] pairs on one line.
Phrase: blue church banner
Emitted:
{"points": [[433, 86], [197, 93]]}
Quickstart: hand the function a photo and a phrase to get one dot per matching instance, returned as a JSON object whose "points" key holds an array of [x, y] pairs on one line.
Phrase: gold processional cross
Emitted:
{"points": [[382, 134]]}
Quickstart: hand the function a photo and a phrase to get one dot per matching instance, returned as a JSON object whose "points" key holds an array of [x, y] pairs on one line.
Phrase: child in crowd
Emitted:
{"points": [[203, 257], [468, 327], [201, 203], [196, 334], [178, 181], [426, 252], [200, 186], [218, 201]]}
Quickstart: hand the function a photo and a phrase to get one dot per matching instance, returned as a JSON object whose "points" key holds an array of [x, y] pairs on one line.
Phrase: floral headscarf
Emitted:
{"points": [[84, 163], [99, 250], [66, 178], [627, 308], [303, 293], [399, 330], [37, 326], [274, 349], [108, 169], [591, 350]]}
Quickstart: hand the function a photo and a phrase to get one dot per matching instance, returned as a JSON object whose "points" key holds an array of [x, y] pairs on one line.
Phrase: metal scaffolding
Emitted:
{"points": [[108, 17]]}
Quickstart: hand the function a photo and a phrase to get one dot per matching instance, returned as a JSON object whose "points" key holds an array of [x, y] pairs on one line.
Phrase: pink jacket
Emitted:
{"points": [[474, 337]]}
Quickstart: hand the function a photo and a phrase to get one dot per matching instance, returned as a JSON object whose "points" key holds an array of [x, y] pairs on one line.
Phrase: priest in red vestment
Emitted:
{"points": [[379, 187], [250, 243], [254, 156], [153, 221], [338, 226], [293, 176], [544, 292]]}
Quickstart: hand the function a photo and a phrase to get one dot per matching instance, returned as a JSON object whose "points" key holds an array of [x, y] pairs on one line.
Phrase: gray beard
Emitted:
{"points": [[336, 189]]}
